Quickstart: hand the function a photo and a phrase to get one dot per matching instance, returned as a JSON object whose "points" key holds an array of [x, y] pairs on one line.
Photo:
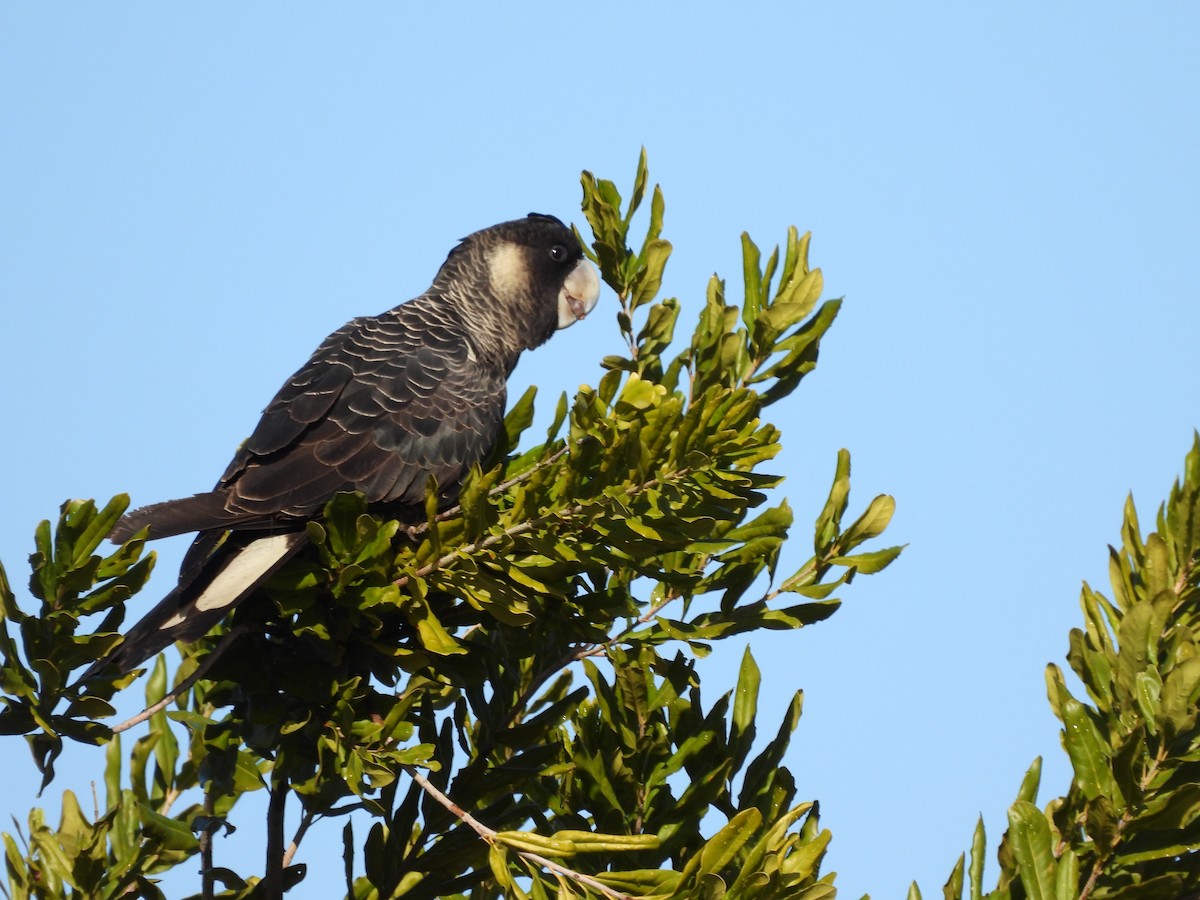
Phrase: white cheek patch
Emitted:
{"points": [[240, 574], [507, 270]]}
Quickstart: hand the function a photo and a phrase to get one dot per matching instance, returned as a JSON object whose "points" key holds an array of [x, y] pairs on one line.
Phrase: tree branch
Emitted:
{"points": [[272, 882], [206, 848], [490, 834], [419, 529], [1102, 858], [489, 541], [528, 525], [185, 685], [305, 823]]}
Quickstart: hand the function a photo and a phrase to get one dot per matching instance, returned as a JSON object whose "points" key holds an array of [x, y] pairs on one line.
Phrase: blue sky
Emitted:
{"points": [[193, 196]]}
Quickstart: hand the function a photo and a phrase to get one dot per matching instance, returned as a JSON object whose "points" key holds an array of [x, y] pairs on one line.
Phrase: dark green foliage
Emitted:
{"points": [[507, 691], [71, 581], [529, 654], [1128, 827]]}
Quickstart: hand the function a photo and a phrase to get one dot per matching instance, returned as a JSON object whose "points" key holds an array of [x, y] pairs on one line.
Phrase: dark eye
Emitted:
{"points": [[558, 253]]}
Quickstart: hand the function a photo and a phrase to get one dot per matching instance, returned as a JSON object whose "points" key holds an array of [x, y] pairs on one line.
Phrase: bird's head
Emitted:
{"points": [[530, 271]]}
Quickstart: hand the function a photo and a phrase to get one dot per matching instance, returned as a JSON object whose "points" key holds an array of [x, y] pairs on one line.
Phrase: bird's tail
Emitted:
{"points": [[236, 564], [200, 512]]}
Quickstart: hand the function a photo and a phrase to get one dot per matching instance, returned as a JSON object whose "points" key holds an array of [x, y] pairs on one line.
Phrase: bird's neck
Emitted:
{"points": [[497, 329], [492, 340]]}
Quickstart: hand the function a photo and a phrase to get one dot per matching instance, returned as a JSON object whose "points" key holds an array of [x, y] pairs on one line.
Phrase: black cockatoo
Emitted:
{"points": [[384, 404]]}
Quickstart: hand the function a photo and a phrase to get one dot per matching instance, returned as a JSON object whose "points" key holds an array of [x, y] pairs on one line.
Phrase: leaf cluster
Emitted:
{"points": [[140, 833], [507, 689], [1128, 827], [71, 581]]}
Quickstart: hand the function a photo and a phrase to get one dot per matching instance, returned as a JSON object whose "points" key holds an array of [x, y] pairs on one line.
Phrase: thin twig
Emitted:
{"points": [[1102, 859], [305, 823], [184, 685], [490, 835], [584, 652], [503, 486], [534, 686], [573, 875], [627, 308], [575, 656], [643, 619], [528, 525], [522, 528], [415, 530], [171, 796], [489, 541], [1181, 583]]}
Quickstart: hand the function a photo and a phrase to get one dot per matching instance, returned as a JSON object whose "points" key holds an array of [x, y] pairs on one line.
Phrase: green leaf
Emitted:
{"points": [[829, 521], [640, 180], [98, 527], [434, 637], [1147, 688], [1029, 834], [1180, 698], [1164, 887], [1175, 811], [745, 706], [752, 278], [519, 417], [953, 889], [649, 280], [1066, 882], [871, 523], [1089, 753], [641, 882], [1028, 790], [869, 563], [721, 848], [170, 833], [978, 849]]}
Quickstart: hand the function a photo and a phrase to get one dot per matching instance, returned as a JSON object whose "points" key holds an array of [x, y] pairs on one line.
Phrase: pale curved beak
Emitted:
{"points": [[579, 294]]}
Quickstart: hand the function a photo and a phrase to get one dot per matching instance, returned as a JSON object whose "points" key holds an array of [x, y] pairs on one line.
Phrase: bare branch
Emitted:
{"points": [[305, 823], [184, 685], [489, 835], [489, 541]]}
